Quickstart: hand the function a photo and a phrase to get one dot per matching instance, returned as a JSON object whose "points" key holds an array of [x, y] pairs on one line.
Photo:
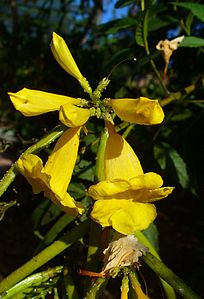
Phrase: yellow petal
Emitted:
{"points": [[67, 204], [30, 166], [141, 111], [73, 116], [136, 188], [120, 159], [139, 292], [143, 188], [33, 102], [61, 162], [54, 178], [64, 57], [125, 216]]}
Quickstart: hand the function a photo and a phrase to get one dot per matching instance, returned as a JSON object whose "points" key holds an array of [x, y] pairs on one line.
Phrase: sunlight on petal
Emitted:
{"points": [[61, 162], [124, 216], [33, 102], [120, 159], [73, 116], [64, 57], [141, 111], [31, 166]]}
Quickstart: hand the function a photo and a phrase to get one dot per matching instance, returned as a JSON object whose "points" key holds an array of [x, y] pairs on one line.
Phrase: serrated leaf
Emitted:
{"points": [[192, 41], [196, 8], [180, 167], [139, 34]]}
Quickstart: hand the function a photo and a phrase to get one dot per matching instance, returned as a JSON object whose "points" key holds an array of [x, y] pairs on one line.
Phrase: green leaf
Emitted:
{"points": [[160, 156], [44, 213], [123, 3], [192, 41], [196, 9], [85, 170], [77, 190], [180, 167], [188, 23], [158, 22], [5, 206], [139, 33], [113, 27], [152, 235], [163, 151]]}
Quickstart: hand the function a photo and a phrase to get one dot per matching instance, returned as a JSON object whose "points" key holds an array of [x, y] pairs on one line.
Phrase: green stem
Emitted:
{"points": [[38, 146], [59, 225], [99, 174], [169, 291], [146, 46], [95, 234], [32, 281], [44, 256], [70, 287], [93, 249], [96, 288], [169, 276], [128, 130]]}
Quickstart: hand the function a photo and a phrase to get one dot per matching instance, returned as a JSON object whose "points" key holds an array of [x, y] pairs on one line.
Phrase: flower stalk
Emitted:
{"points": [[169, 276]]}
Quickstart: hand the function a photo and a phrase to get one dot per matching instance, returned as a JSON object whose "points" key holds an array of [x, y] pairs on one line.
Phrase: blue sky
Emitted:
{"points": [[110, 12]]}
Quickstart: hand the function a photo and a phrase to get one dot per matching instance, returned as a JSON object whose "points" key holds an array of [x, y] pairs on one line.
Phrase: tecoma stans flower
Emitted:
{"points": [[141, 111], [53, 179], [123, 199], [74, 112]]}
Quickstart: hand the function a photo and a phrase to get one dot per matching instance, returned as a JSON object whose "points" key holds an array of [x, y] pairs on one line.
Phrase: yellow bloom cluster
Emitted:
{"points": [[123, 199]]}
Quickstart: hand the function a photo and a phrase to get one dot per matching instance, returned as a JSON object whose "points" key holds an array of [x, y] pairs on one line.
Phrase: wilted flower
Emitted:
{"points": [[123, 199], [167, 47], [123, 251]]}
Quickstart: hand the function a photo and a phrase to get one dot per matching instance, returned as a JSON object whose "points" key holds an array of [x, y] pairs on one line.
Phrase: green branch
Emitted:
{"points": [[169, 276], [146, 46], [32, 281], [44, 256], [96, 288], [35, 148]]}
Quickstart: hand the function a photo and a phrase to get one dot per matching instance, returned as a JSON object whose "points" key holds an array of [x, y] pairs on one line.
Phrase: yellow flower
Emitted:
{"points": [[123, 199], [64, 57], [141, 111], [33, 102], [71, 112], [53, 179]]}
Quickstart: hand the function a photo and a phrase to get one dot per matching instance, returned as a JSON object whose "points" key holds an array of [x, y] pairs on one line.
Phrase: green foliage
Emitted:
{"points": [[196, 8], [192, 42]]}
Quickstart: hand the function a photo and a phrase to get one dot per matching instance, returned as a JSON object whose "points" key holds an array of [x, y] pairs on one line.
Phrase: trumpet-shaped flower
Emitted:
{"points": [[141, 111], [123, 199], [64, 57], [33, 102], [53, 179]]}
